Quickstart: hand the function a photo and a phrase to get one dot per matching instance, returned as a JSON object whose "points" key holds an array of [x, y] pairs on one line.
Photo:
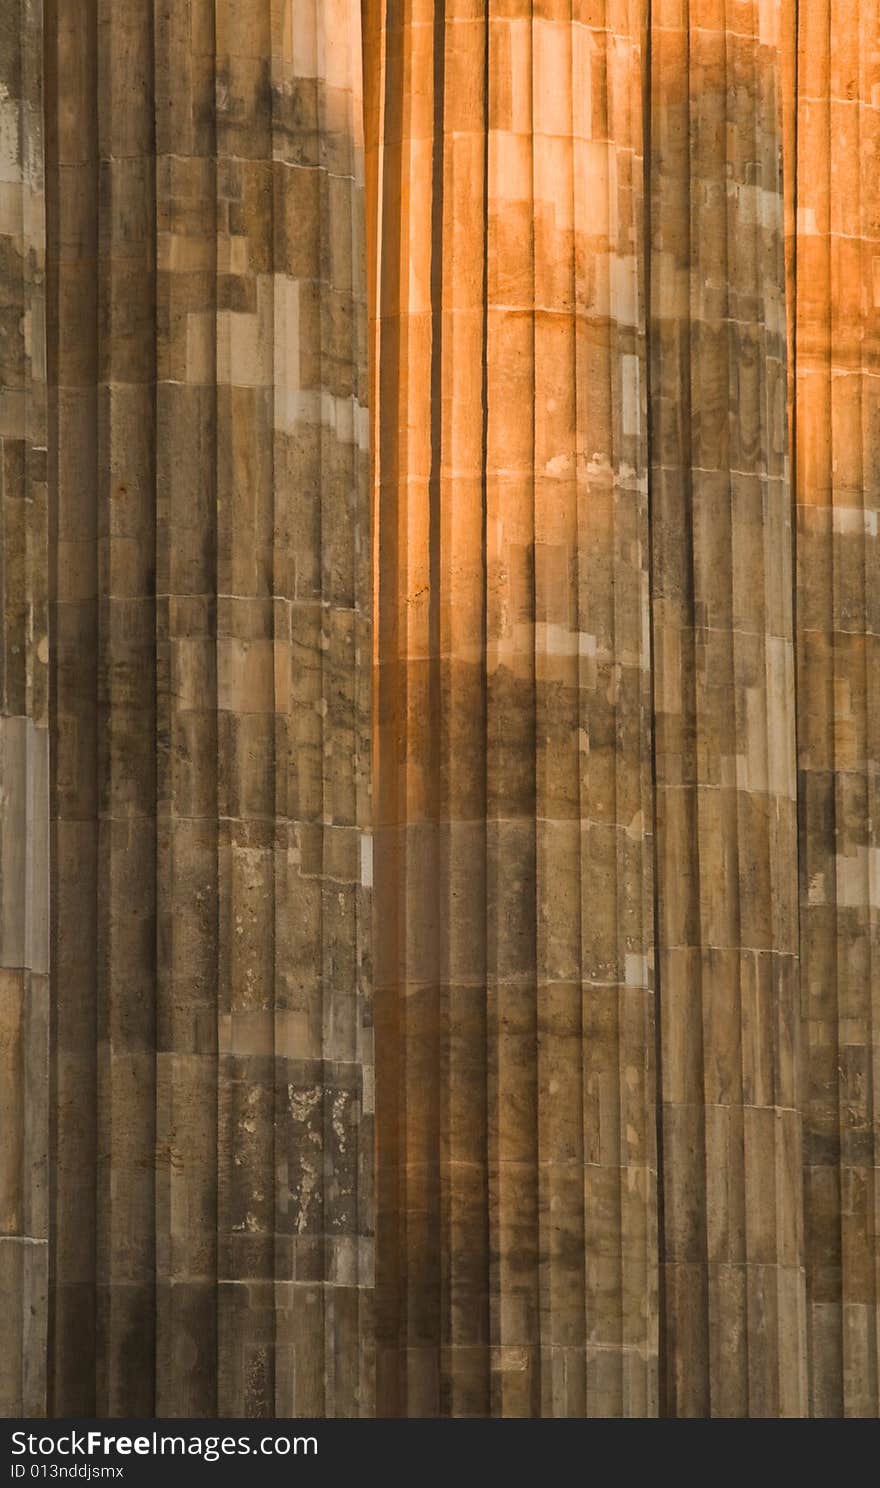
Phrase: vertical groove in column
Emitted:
{"points": [[443, 848], [577, 1280], [724, 717], [72, 327], [637, 1074], [245, 673], [383, 121], [513, 628], [126, 751], [321, 726], [511, 894], [659, 1277], [862, 1375], [424, 889], [561, 1239], [361, 1040], [838, 138], [459, 603], [186, 731], [24, 752], [407, 1228]]}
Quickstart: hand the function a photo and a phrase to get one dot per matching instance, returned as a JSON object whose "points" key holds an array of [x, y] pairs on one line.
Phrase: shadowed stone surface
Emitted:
{"points": [[733, 1282]]}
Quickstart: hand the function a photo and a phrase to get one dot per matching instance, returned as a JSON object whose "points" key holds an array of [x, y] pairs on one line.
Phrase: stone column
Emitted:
{"points": [[24, 751], [837, 443], [515, 1039], [212, 1145], [733, 1290]]}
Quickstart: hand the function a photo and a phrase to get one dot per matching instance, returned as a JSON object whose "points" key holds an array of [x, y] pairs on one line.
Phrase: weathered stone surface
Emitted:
{"points": [[212, 1149], [516, 1146], [619, 707]]}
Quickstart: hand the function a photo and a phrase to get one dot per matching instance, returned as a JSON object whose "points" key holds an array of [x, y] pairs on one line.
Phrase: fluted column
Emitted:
{"points": [[24, 751], [733, 1308], [212, 1143], [189, 262], [515, 1078], [836, 315]]}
